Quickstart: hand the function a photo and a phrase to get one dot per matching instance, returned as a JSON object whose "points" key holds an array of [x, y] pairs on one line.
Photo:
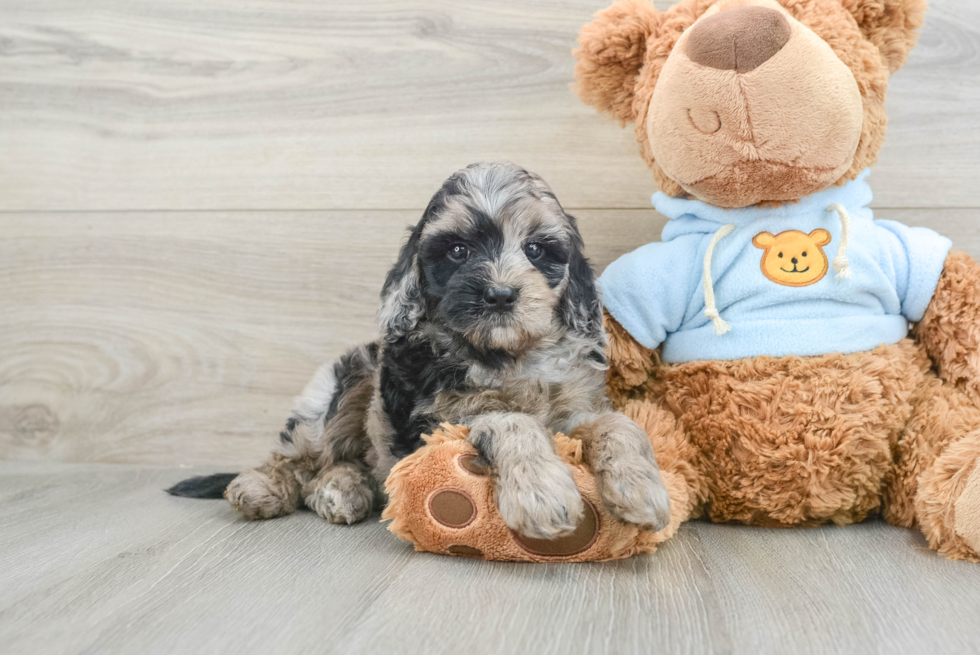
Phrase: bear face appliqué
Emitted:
{"points": [[793, 258]]}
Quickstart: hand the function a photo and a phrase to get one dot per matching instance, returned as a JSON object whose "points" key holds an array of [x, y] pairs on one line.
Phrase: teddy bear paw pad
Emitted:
{"points": [[472, 464], [465, 551], [453, 508], [579, 541]]}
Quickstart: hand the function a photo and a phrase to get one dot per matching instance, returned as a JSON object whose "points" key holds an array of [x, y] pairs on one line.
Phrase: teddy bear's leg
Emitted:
{"points": [[344, 493], [676, 457], [935, 484]]}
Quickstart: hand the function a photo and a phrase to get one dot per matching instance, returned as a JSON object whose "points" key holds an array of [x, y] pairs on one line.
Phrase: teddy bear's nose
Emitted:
{"points": [[795, 260], [739, 39]]}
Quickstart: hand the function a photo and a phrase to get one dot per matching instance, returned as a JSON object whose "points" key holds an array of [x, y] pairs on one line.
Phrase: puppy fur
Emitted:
{"points": [[490, 318]]}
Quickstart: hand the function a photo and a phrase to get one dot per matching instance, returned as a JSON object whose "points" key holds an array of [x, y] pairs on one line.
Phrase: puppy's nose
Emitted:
{"points": [[500, 298], [739, 39]]}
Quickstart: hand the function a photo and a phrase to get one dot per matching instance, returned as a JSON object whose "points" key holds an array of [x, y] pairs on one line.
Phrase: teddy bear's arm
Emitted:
{"points": [[950, 327], [630, 364]]}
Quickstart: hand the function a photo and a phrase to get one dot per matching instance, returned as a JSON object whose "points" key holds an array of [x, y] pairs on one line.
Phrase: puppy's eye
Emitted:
{"points": [[458, 252], [533, 250], [780, 255]]}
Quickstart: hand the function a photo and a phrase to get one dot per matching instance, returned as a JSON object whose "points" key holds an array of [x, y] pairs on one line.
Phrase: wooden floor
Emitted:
{"points": [[199, 200], [98, 559]]}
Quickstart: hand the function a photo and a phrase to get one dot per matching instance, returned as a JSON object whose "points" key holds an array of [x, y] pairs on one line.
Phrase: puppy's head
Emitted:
{"points": [[494, 260]]}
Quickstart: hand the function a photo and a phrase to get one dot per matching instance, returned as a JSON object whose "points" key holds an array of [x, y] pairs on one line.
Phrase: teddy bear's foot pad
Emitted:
{"points": [[579, 541]]}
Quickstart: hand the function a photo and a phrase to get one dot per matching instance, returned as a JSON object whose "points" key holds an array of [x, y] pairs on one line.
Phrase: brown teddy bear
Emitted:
{"points": [[793, 360]]}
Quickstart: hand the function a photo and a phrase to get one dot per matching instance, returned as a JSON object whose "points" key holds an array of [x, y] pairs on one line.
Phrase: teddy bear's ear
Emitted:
{"points": [[610, 54], [892, 25], [762, 240]]}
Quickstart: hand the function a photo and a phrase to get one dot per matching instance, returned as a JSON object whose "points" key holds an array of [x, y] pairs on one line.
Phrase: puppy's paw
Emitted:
{"points": [[633, 491], [255, 496], [341, 499], [539, 500]]}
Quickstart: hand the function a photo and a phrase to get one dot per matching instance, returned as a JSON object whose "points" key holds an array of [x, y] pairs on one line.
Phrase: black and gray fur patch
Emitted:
{"points": [[581, 307], [412, 373]]}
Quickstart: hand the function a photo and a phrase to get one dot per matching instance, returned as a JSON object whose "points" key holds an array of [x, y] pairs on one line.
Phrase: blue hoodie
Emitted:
{"points": [[777, 281]]}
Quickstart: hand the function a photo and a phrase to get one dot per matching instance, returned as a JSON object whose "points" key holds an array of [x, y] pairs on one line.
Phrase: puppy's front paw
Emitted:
{"points": [[539, 500], [255, 495], [633, 491]]}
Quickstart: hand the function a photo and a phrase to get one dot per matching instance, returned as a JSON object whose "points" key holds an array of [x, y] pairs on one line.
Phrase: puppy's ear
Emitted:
{"points": [[580, 308], [402, 306], [610, 55], [892, 25]]}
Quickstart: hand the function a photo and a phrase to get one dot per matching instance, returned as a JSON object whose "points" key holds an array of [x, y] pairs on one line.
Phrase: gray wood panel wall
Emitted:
{"points": [[199, 200]]}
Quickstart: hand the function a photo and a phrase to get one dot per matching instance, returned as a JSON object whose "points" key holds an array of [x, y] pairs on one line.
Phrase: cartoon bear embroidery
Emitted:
{"points": [[793, 258]]}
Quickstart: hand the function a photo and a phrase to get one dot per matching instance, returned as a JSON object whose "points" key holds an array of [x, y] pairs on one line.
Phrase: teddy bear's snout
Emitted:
{"points": [[739, 39]]}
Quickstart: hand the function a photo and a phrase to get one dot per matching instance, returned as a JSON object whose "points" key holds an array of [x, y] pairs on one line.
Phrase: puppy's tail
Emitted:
{"points": [[203, 486]]}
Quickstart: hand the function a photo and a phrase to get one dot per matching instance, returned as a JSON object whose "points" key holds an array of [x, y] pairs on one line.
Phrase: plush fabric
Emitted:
{"points": [[796, 441], [657, 291]]}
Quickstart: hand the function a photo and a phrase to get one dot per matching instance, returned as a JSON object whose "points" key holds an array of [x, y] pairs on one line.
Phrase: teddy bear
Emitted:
{"points": [[793, 360]]}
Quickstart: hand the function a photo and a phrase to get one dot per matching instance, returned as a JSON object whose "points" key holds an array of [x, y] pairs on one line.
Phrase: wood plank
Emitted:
{"points": [[96, 558], [117, 565], [868, 588], [666, 603], [253, 104], [177, 339]]}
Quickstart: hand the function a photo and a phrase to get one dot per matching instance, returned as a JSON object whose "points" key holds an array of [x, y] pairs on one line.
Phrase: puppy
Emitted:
{"points": [[490, 318]]}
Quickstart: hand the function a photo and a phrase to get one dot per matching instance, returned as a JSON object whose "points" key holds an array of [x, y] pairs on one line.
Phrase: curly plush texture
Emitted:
{"points": [[891, 25], [613, 49], [950, 329], [806, 440]]}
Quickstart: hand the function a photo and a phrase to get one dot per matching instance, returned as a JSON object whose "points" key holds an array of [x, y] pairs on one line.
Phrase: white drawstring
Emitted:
{"points": [[721, 326], [841, 264]]}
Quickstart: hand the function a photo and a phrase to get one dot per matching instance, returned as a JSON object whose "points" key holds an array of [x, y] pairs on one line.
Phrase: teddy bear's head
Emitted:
{"points": [[740, 102]]}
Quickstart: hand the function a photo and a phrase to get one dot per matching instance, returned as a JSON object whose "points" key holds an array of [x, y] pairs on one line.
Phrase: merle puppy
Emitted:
{"points": [[490, 318]]}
